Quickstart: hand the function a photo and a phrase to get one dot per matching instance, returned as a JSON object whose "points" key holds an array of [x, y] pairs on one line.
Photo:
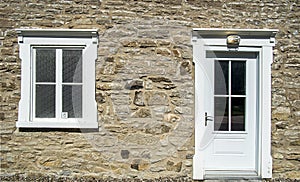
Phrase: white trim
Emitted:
{"points": [[265, 109], [58, 38], [56, 124], [82, 33], [214, 32], [58, 84], [261, 41]]}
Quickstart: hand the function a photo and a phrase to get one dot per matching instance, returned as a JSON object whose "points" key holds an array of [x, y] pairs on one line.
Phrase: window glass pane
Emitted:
{"points": [[72, 100], [45, 65], [45, 101], [221, 77], [237, 114], [238, 77], [221, 114], [72, 66]]}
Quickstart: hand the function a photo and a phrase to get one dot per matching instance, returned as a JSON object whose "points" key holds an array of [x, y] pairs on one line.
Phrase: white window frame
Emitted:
{"points": [[85, 39], [262, 39]]}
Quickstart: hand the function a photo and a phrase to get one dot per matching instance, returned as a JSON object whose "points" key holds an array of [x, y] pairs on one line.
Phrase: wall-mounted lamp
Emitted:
{"points": [[233, 41]]}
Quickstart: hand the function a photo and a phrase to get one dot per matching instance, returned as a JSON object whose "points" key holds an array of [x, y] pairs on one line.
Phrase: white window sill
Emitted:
{"points": [[55, 124]]}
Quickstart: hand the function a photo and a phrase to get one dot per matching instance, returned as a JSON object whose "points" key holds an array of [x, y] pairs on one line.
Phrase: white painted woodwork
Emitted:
{"points": [[257, 137], [28, 39]]}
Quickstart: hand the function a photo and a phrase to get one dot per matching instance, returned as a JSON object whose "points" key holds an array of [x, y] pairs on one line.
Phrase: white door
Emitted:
{"points": [[230, 102]]}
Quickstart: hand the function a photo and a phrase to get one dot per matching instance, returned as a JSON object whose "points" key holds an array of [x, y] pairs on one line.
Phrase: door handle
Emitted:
{"points": [[207, 118]]}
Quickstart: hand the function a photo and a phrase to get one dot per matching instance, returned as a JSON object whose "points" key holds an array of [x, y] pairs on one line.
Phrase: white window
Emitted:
{"points": [[232, 103], [57, 78]]}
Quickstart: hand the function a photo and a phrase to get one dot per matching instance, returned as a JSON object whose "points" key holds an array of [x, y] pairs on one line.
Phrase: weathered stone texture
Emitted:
{"points": [[144, 86]]}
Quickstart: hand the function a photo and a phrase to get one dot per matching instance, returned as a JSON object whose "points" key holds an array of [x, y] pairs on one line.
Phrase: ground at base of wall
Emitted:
{"points": [[46, 178]]}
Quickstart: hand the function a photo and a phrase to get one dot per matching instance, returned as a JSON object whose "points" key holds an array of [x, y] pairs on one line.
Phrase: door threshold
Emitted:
{"points": [[231, 174]]}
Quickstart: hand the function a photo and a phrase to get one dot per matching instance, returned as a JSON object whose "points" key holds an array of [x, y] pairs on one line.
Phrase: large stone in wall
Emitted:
{"points": [[142, 112], [157, 98], [281, 113], [147, 43], [141, 139], [160, 79], [172, 166], [158, 129], [169, 117], [139, 98], [125, 154], [134, 84], [139, 164]]}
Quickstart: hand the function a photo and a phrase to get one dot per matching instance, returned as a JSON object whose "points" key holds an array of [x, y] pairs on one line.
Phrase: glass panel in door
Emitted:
{"points": [[229, 95]]}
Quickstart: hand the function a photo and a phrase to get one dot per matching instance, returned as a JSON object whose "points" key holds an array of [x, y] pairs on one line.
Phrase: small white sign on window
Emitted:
{"points": [[64, 115]]}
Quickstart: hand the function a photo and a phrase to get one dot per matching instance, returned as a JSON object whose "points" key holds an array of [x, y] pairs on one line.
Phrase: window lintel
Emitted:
{"points": [[58, 33]]}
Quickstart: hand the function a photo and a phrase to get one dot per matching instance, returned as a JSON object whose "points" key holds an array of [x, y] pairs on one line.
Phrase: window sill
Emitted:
{"points": [[55, 124]]}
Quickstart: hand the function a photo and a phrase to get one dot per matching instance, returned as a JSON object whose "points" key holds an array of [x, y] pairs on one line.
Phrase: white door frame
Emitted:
{"points": [[259, 39]]}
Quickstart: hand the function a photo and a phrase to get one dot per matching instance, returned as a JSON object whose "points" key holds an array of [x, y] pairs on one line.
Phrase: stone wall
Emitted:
{"points": [[144, 86]]}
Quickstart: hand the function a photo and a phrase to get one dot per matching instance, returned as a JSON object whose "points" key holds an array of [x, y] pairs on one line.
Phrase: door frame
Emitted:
{"points": [[258, 40]]}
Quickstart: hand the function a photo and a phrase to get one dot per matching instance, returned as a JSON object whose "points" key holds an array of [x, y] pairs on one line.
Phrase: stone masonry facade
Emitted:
{"points": [[144, 86]]}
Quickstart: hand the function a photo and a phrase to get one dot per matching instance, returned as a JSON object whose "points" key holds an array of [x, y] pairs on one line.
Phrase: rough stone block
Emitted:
{"points": [[163, 51], [172, 166], [169, 117], [160, 79], [134, 84], [141, 139], [281, 113], [139, 98], [158, 129], [156, 98], [125, 154], [142, 113], [144, 43], [154, 34]]}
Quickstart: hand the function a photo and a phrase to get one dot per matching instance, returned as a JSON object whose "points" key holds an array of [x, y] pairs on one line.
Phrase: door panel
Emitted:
{"points": [[231, 108], [221, 146]]}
